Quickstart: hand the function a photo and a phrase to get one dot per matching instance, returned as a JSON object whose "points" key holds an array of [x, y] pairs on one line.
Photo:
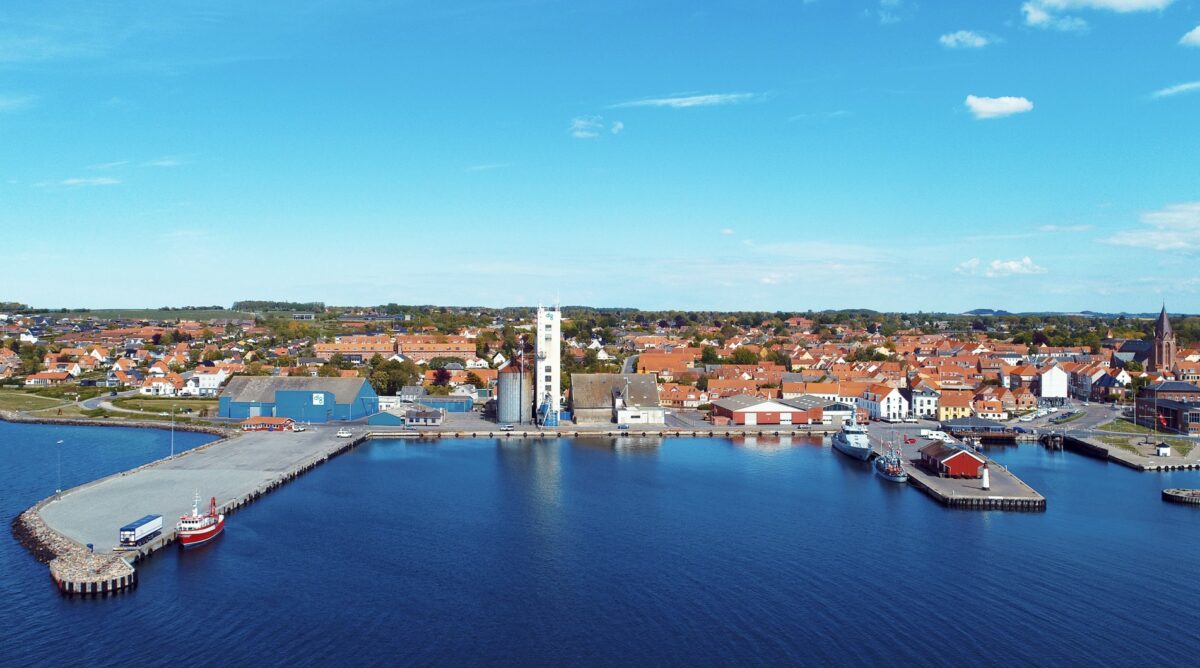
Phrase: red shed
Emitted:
{"points": [[950, 461]]}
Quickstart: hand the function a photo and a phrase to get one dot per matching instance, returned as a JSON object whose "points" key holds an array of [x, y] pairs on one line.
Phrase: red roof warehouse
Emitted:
{"points": [[950, 461]]}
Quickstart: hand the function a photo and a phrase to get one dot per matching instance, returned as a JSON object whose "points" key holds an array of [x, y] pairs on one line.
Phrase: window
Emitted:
{"points": [[547, 379]]}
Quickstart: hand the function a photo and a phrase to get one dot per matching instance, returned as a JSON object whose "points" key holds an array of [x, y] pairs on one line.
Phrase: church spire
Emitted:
{"points": [[1162, 328]]}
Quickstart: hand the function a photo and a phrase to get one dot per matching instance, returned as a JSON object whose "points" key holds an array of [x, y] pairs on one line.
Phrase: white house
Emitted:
{"points": [[1053, 382], [204, 382], [884, 402]]}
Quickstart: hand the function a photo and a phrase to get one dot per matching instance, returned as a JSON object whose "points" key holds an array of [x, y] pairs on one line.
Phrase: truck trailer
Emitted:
{"points": [[139, 531]]}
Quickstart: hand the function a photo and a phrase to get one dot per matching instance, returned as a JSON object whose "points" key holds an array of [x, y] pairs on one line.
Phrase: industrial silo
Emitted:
{"points": [[514, 395]]}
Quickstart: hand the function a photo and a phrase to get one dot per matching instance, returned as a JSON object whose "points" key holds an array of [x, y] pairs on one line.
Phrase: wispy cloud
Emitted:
{"points": [[1192, 38], [16, 102], [689, 101], [820, 115], [586, 127], [163, 162], [997, 107], [90, 181], [964, 39], [1176, 90], [1048, 14], [728, 231], [109, 165], [1175, 227], [590, 127], [1065, 228], [1037, 16], [999, 268], [489, 167]]}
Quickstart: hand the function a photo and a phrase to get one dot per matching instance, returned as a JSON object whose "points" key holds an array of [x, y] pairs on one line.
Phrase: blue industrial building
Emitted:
{"points": [[450, 404], [299, 398]]}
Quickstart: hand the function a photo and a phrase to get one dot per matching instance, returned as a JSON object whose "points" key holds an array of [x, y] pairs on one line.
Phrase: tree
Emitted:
{"points": [[709, 355], [474, 379], [744, 356], [329, 371], [441, 377], [441, 362], [1133, 366]]}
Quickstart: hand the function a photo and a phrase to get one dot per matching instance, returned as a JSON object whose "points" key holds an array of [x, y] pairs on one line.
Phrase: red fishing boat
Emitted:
{"points": [[197, 529]]}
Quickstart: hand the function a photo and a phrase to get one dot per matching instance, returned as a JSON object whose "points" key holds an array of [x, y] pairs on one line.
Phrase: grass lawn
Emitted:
{"points": [[23, 401], [158, 314], [74, 411], [1071, 419], [1181, 446], [1124, 427], [164, 405], [1121, 442]]}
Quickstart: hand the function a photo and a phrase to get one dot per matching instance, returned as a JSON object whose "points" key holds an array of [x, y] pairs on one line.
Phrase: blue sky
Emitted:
{"points": [[889, 154]]}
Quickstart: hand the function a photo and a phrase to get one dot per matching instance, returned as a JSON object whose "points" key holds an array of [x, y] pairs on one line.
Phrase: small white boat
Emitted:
{"points": [[344, 433]]}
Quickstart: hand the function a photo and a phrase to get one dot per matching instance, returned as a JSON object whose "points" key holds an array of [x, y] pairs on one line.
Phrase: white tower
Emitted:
{"points": [[547, 378]]}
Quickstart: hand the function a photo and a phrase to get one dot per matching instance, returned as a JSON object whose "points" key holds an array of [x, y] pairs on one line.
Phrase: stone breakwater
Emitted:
{"points": [[12, 416], [73, 568]]}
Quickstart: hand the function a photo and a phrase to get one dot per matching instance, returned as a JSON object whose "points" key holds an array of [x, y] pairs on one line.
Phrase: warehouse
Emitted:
{"points": [[299, 398], [627, 398], [745, 409]]}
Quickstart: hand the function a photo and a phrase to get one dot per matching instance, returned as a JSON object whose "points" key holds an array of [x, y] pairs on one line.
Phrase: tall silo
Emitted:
{"points": [[514, 395]]}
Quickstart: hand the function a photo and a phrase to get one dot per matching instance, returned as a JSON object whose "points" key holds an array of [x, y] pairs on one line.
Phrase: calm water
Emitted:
{"points": [[696, 552]]}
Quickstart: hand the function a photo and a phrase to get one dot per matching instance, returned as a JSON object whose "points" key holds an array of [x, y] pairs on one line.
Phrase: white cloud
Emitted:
{"points": [[1176, 90], [162, 162], [1048, 13], [688, 101], [964, 39], [1037, 17], [997, 107], [586, 127], [999, 268], [1064, 228], [109, 165], [15, 102], [91, 181], [616, 127], [1175, 227], [1119, 6], [967, 266], [728, 231], [1192, 38]]}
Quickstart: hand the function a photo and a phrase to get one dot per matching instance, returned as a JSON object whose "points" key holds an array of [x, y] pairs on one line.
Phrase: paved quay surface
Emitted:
{"points": [[1005, 486], [94, 513]]}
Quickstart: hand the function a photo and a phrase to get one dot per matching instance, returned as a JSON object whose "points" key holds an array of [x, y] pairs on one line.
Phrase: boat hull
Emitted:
{"points": [[851, 450], [188, 539], [901, 477]]}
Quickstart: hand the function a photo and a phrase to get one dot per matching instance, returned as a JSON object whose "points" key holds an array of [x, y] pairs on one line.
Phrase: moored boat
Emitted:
{"points": [[197, 529], [890, 467], [852, 440]]}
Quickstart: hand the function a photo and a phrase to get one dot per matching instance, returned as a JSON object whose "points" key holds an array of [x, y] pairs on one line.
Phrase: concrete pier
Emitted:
{"points": [[1008, 492], [234, 470], [1097, 448]]}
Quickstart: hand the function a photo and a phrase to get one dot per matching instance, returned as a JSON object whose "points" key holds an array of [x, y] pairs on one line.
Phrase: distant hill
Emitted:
{"points": [[986, 311]]}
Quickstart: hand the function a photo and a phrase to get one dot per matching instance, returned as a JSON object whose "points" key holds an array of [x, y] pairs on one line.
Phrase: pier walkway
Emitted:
{"points": [[1008, 492], [231, 470]]}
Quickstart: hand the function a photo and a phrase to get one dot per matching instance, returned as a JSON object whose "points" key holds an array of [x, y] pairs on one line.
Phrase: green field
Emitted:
{"points": [[1182, 446], [1124, 427], [156, 405], [159, 314], [1122, 443], [23, 401]]}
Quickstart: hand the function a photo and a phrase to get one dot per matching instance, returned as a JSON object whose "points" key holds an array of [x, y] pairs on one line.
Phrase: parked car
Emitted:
{"points": [[506, 427], [622, 426], [909, 440]]}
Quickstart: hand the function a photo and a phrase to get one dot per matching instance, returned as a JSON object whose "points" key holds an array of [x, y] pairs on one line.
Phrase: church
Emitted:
{"points": [[1162, 354]]}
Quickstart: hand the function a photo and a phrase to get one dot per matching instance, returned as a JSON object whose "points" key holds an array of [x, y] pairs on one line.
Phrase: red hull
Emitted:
{"points": [[201, 536]]}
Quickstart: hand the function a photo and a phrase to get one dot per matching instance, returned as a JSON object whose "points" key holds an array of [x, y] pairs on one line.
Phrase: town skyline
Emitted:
{"points": [[882, 153]]}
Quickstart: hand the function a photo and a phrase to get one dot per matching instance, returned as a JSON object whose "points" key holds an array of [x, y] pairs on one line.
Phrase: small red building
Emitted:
{"points": [[949, 461], [266, 423]]}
